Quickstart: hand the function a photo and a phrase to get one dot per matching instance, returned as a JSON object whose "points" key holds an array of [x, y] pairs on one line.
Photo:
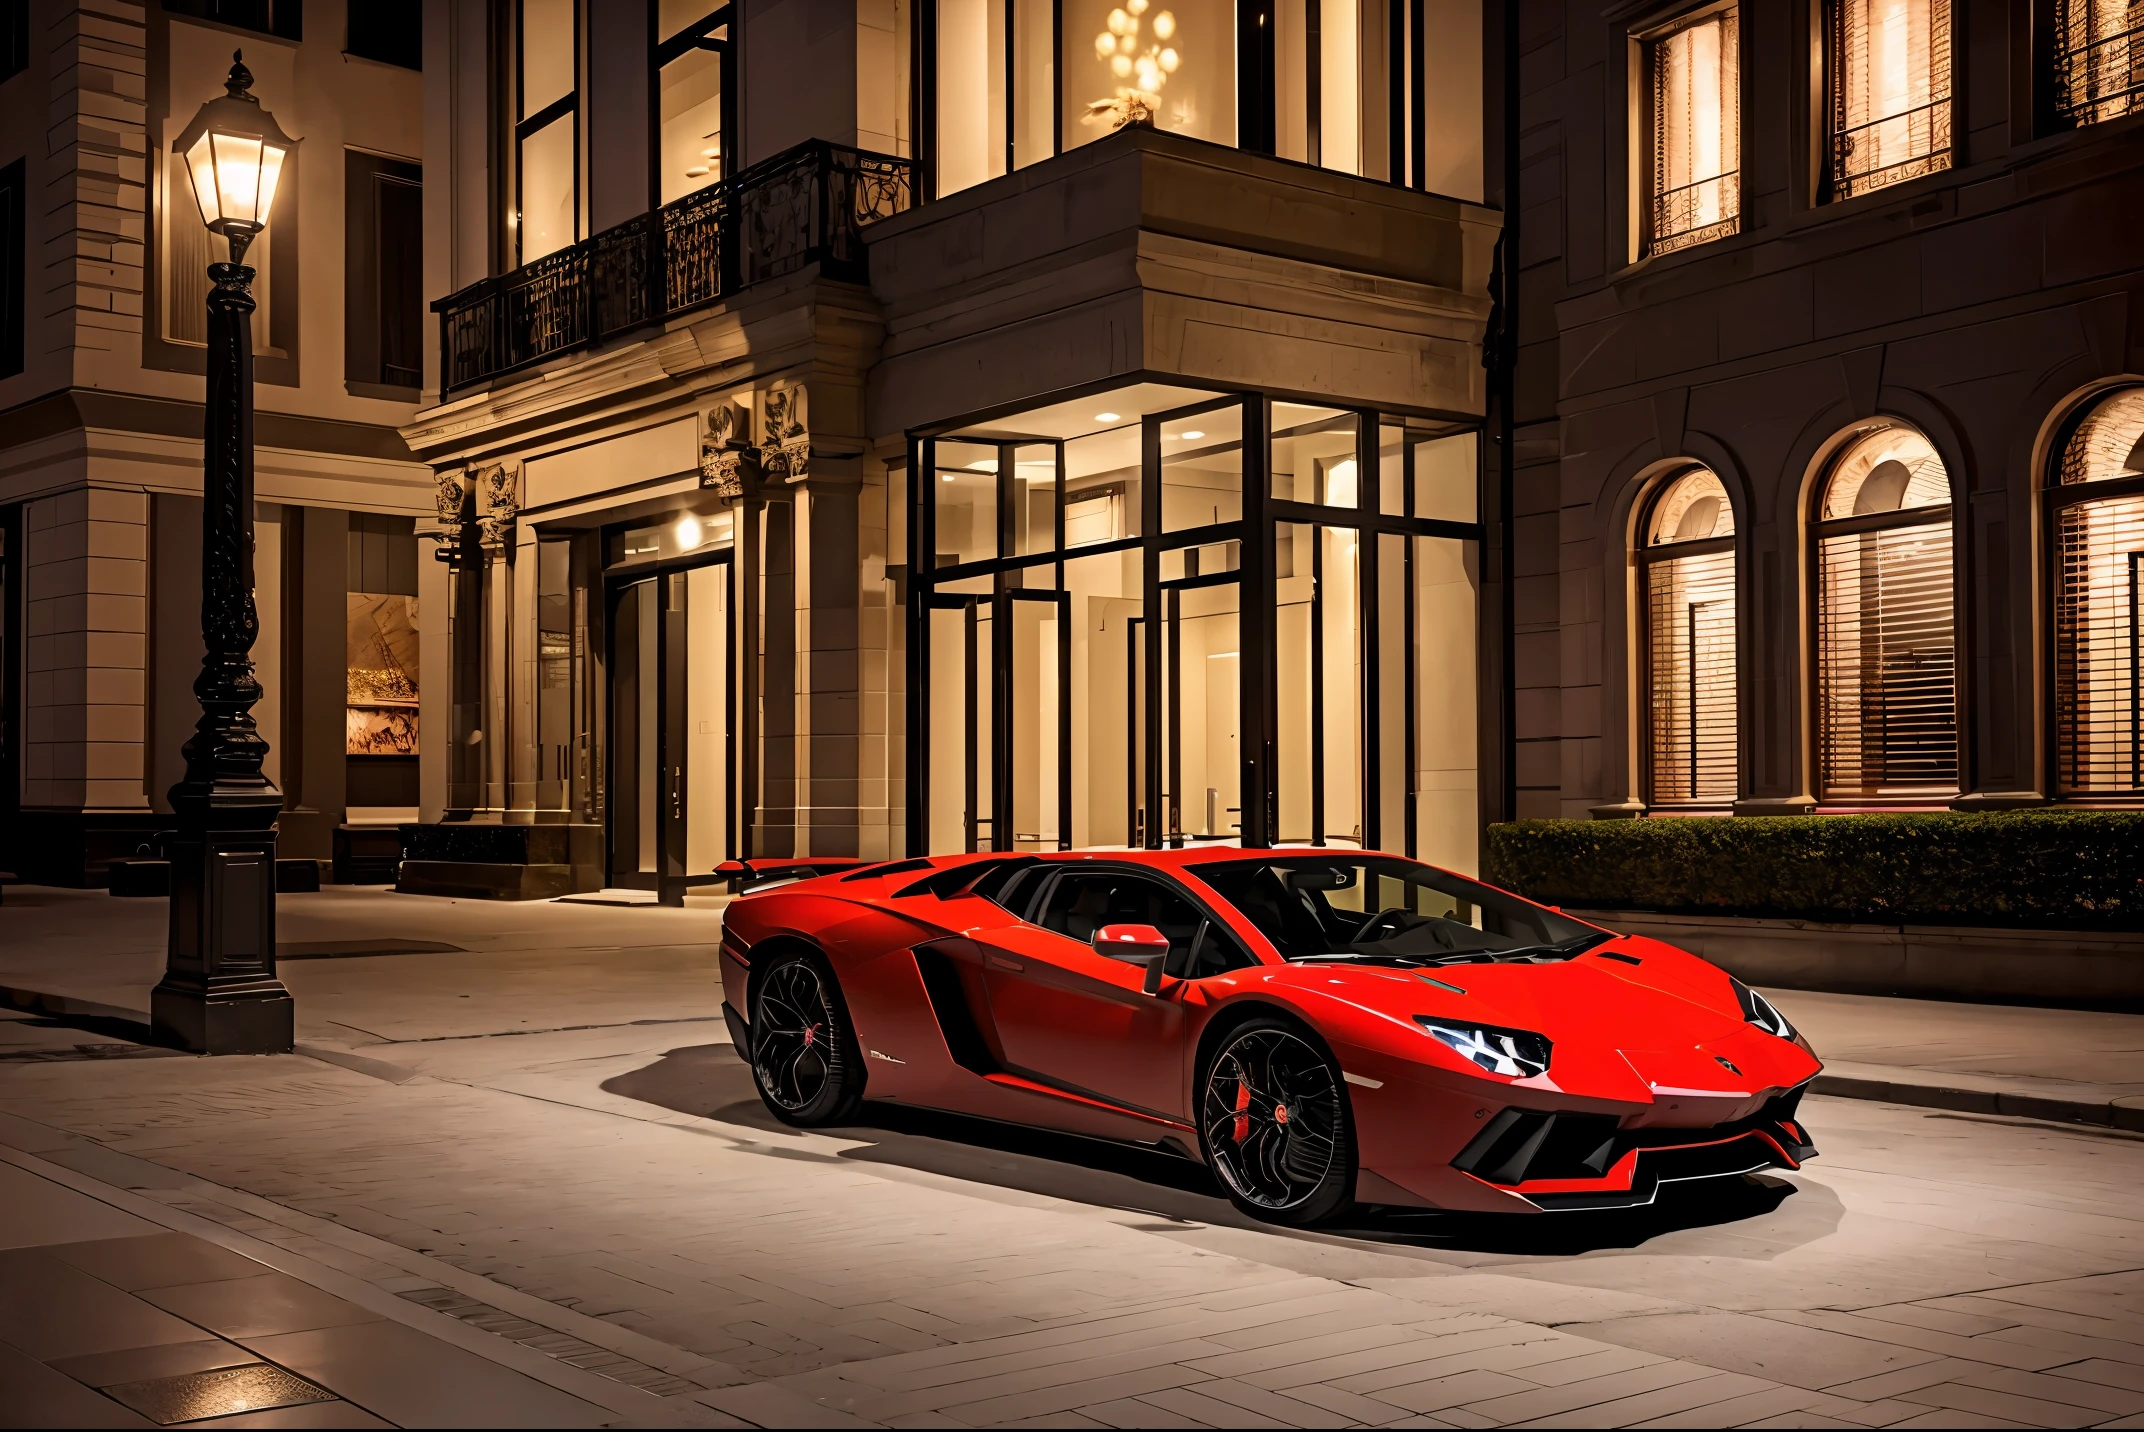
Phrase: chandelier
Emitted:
{"points": [[1141, 72]]}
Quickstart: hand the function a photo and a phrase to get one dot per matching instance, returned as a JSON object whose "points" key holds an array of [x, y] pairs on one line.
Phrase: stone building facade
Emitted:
{"points": [[1827, 463], [103, 256], [944, 424]]}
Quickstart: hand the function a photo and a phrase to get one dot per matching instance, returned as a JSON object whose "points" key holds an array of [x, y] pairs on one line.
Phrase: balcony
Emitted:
{"points": [[805, 205]]}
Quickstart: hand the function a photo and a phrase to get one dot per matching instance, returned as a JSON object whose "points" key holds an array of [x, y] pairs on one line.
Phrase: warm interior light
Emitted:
{"points": [[1105, 417], [688, 532], [1193, 435]]}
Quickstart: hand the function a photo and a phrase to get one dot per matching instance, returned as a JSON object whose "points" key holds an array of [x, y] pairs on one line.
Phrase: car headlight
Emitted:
{"points": [[1758, 1010], [1514, 1053]]}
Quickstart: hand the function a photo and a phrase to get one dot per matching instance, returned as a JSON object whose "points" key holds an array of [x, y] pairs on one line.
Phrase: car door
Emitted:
{"points": [[1078, 1018]]}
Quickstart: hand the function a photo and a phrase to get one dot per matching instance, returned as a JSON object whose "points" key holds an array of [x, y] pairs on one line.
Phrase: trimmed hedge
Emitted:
{"points": [[2073, 869]]}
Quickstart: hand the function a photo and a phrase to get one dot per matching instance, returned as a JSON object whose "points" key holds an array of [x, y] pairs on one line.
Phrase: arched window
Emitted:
{"points": [[2098, 522], [1887, 656], [1688, 558]]}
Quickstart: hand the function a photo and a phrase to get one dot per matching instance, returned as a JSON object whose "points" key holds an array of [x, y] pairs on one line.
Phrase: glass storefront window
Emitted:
{"points": [[1314, 455], [1107, 655], [1318, 655], [1102, 487], [380, 637], [1446, 477], [1129, 689], [1446, 819], [1201, 467], [965, 489], [1201, 712]]}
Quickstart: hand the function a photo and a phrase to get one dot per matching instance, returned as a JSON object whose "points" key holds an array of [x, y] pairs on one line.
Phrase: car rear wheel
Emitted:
{"points": [[1275, 1125], [804, 1056]]}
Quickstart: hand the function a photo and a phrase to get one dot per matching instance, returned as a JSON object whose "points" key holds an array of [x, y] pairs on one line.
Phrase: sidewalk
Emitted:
{"points": [[460, 968], [117, 1310]]}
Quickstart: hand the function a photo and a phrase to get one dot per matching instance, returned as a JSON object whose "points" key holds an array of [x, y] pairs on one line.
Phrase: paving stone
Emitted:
{"points": [[1137, 1412], [1454, 1390], [1779, 1350], [2059, 1386], [1993, 1402], [1541, 1402], [1710, 1390]]}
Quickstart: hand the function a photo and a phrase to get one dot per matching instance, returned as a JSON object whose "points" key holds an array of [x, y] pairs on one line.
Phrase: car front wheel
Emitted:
{"points": [[1274, 1122]]}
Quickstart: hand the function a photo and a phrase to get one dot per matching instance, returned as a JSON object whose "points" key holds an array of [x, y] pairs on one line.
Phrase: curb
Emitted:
{"points": [[2044, 1099], [1984, 1094]]}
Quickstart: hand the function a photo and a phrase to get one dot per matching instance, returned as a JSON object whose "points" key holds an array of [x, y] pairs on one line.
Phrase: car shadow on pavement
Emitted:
{"points": [[710, 1081]]}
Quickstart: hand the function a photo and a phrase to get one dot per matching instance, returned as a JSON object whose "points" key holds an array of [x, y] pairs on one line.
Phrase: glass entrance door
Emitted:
{"points": [[673, 755]]}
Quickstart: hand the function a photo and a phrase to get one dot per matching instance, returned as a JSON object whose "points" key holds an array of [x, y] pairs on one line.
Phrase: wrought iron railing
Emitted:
{"points": [[1890, 150], [806, 205], [1695, 214], [2101, 78]]}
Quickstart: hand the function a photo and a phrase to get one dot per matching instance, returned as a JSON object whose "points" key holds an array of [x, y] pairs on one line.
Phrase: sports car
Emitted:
{"points": [[1323, 1028]]}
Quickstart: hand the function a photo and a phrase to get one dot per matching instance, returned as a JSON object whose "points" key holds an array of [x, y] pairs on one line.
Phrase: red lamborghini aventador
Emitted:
{"points": [[1320, 1027]]}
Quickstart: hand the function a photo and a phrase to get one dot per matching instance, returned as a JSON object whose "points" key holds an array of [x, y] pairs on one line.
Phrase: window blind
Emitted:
{"points": [[1890, 80], [1690, 610], [1887, 677], [2100, 60], [1696, 134], [2099, 662]]}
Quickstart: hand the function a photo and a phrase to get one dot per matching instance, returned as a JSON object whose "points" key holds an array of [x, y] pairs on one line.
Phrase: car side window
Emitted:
{"points": [[1012, 885], [1215, 952], [1082, 902]]}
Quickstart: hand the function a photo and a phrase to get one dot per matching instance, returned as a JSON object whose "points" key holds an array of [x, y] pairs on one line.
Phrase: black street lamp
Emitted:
{"points": [[220, 994]]}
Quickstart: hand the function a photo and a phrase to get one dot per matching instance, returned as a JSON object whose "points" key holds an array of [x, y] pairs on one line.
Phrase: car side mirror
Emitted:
{"points": [[1135, 945]]}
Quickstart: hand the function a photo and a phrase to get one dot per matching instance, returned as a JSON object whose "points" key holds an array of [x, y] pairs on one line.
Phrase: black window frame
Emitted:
{"points": [[14, 38], [664, 50], [284, 19], [14, 264], [366, 370], [524, 129], [391, 32]]}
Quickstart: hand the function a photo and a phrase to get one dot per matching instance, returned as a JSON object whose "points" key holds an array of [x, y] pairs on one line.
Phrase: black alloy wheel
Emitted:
{"points": [[1274, 1120], [804, 1058]]}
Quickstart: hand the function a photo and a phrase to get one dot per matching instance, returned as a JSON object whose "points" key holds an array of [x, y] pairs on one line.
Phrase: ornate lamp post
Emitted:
{"points": [[219, 994]]}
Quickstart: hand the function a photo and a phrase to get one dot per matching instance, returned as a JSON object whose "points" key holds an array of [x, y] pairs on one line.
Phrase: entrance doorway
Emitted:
{"points": [[673, 754]]}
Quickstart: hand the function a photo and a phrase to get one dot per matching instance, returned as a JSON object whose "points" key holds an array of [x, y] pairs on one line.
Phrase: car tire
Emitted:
{"points": [[1275, 1123], [805, 1060]]}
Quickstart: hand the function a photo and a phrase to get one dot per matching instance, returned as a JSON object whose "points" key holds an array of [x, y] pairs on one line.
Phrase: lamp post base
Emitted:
{"points": [[257, 1017], [220, 994]]}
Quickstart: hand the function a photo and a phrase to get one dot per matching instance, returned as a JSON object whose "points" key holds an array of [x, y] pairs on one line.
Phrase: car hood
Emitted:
{"points": [[1656, 1024]]}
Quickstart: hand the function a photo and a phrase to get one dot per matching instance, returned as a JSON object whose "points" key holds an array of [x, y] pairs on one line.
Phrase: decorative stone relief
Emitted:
{"points": [[785, 445], [728, 462], [498, 501]]}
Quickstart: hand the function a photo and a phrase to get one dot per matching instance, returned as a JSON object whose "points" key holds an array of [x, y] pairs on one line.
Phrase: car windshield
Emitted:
{"points": [[1378, 909]]}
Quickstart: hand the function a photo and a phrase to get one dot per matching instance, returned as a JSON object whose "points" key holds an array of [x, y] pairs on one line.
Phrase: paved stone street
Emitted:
{"points": [[519, 1178]]}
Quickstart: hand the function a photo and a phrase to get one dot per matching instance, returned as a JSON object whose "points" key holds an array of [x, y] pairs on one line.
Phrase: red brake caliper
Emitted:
{"points": [[1243, 1120]]}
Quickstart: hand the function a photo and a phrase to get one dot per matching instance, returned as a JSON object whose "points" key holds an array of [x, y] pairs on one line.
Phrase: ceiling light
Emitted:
{"points": [[1193, 435], [1106, 417], [688, 533]]}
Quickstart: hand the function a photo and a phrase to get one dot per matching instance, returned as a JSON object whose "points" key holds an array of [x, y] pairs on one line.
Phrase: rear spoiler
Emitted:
{"points": [[742, 875]]}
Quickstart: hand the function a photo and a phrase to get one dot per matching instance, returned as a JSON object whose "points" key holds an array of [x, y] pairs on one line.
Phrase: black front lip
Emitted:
{"points": [[1521, 1146]]}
